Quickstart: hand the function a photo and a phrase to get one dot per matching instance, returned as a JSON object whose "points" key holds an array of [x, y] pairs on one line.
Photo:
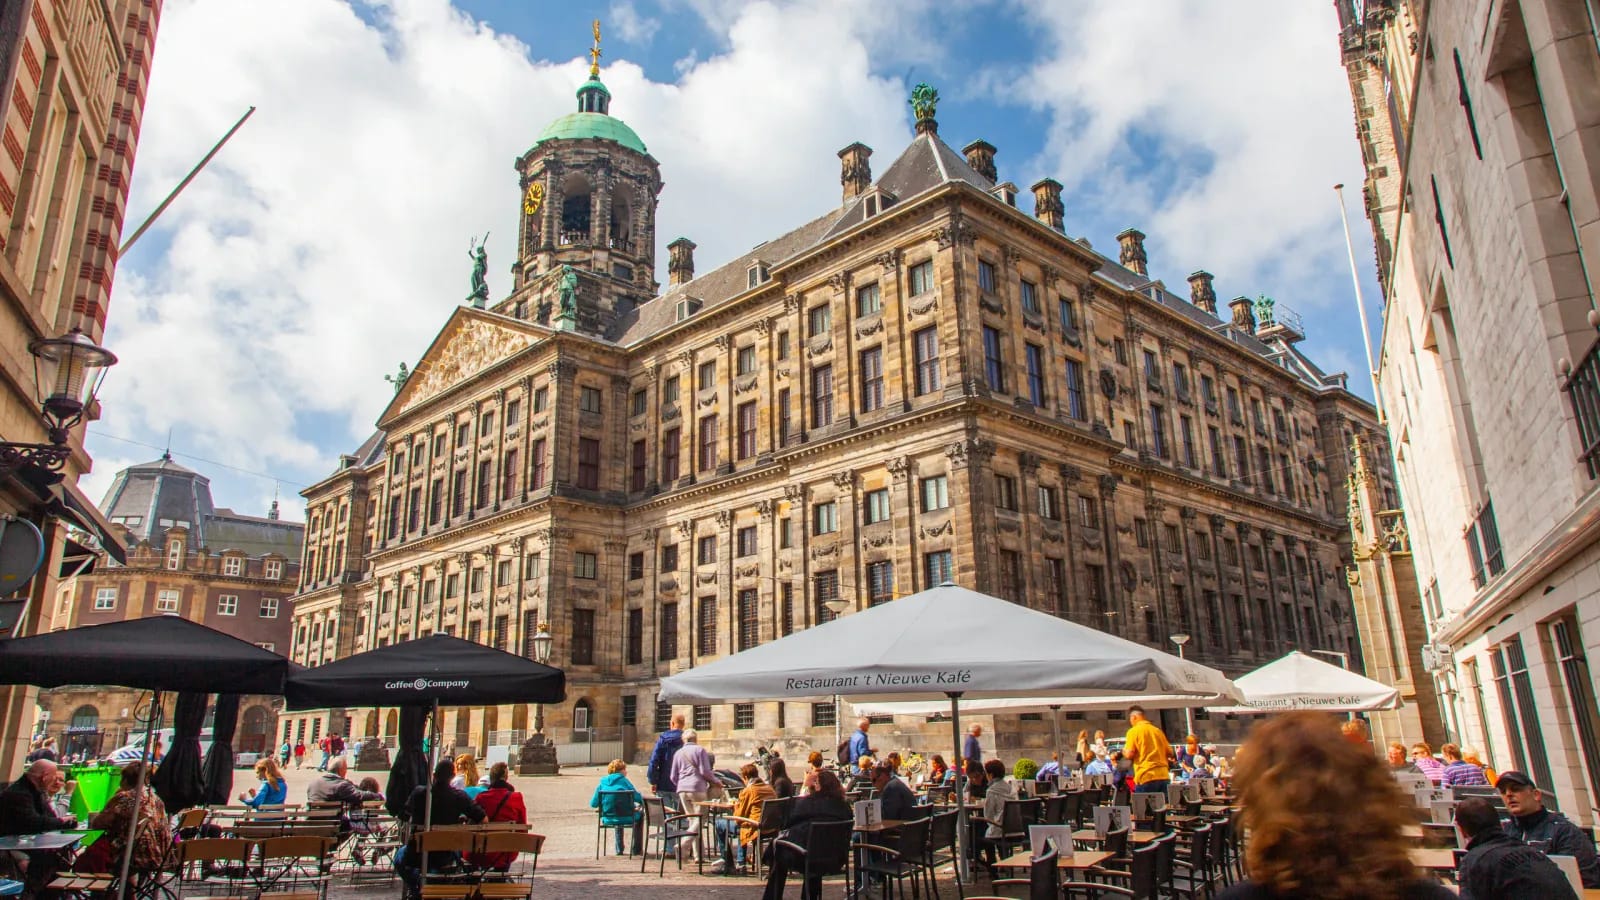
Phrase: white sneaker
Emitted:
{"points": [[718, 867]]}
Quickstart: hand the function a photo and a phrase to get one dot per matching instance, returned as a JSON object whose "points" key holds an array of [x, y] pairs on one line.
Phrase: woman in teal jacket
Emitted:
{"points": [[618, 802]]}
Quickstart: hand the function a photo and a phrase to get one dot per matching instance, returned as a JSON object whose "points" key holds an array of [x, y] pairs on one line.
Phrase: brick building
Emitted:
{"points": [[217, 567], [72, 88], [1480, 128], [925, 382]]}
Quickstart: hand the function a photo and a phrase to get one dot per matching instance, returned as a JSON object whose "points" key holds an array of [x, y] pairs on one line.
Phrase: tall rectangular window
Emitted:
{"points": [[413, 522], [584, 565], [1096, 576], [589, 399], [706, 550], [1030, 297], [1076, 408], [636, 565], [785, 609], [669, 456], [435, 501], [583, 637], [1219, 463], [935, 493], [749, 619], [868, 300], [669, 390], [819, 320], [1035, 360], [994, 365], [707, 626], [825, 518], [925, 346], [501, 627], [536, 475], [1186, 434], [745, 362], [669, 558], [708, 443], [701, 718], [1158, 430], [938, 567], [1005, 492], [485, 484], [1580, 694], [821, 396], [1049, 503], [825, 587], [872, 379], [784, 412], [638, 466], [1011, 576], [876, 507], [1056, 589], [1069, 320], [1521, 714], [745, 541], [667, 645], [707, 378], [508, 474], [589, 463], [640, 402], [986, 276], [1088, 514], [920, 277], [1241, 455], [880, 582], [747, 430]]}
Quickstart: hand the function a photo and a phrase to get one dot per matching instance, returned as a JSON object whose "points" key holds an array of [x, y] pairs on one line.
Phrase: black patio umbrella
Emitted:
{"points": [[427, 673], [156, 653], [410, 762], [217, 770], [177, 780]]}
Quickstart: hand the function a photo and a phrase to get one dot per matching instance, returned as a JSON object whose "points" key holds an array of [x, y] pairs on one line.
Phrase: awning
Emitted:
{"points": [[70, 504]]}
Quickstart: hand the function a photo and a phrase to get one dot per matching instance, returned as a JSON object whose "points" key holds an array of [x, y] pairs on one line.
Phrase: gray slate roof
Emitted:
{"points": [[152, 497]]}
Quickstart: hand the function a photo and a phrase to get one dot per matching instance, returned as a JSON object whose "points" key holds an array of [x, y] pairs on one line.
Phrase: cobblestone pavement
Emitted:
{"points": [[558, 808]]}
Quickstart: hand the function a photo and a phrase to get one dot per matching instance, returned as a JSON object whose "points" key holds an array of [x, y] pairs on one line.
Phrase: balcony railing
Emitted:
{"points": [[1583, 389]]}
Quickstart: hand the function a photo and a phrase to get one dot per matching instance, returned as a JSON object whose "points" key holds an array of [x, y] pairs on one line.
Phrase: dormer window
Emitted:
{"points": [[758, 274], [687, 307], [232, 566], [175, 555], [877, 201], [872, 206]]}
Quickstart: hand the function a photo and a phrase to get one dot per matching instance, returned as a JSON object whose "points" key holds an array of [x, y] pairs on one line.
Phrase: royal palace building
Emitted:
{"points": [[924, 383]]}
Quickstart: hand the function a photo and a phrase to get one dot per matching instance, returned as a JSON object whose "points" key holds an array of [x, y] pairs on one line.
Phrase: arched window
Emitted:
{"points": [[391, 723], [575, 206], [86, 718], [582, 715]]}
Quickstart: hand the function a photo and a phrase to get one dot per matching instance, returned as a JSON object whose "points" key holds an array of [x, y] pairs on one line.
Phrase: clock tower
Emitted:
{"points": [[588, 202]]}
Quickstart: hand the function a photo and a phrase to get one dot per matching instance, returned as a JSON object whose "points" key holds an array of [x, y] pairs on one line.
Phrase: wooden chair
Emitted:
{"points": [[455, 883], [214, 862], [508, 885], [296, 861]]}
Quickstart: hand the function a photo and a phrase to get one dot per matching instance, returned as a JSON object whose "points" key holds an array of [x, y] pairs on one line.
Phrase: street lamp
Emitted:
{"points": [[75, 357], [1188, 711], [542, 641]]}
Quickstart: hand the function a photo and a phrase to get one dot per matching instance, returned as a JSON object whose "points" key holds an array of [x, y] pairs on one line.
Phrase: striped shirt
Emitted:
{"points": [[1461, 772]]}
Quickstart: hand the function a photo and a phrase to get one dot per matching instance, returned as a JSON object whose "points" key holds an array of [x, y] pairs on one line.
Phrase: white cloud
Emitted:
{"points": [[632, 26], [1250, 135], [328, 241]]}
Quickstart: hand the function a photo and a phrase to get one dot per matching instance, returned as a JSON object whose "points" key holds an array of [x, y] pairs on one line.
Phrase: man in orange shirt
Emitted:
{"points": [[1147, 748]]}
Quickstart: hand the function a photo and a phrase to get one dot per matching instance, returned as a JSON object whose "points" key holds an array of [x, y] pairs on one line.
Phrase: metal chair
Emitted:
{"points": [[1192, 871], [1138, 882], [900, 862], [1043, 881], [941, 849], [827, 852], [604, 811], [774, 816], [667, 830]]}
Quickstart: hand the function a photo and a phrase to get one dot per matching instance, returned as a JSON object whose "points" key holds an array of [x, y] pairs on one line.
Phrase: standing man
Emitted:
{"points": [[659, 772], [1147, 748], [859, 748], [1549, 831], [970, 748]]}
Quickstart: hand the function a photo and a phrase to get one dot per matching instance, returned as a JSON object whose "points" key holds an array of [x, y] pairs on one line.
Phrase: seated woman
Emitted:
{"points": [[826, 804], [152, 838], [618, 802], [273, 790], [936, 770], [782, 786], [977, 780], [732, 834], [451, 806], [467, 776], [994, 809], [502, 803]]}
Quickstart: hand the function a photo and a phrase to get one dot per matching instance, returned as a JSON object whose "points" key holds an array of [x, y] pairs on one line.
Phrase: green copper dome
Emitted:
{"points": [[580, 125]]}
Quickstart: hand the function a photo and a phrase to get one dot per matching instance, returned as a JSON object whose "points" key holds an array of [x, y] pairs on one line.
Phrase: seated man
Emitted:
{"points": [[1545, 830], [1097, 765], [1049, 770], [1500, 866], [898, 801], [25, 808], [734, 833], [331, 786]]}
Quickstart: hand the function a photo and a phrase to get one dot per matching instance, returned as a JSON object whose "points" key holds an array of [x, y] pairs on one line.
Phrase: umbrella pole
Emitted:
{"points": [[433, 760], [963, 838], [138, 794], [1055, 729]]}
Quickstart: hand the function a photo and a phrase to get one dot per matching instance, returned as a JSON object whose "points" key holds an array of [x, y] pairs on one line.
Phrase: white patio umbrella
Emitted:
{"points": [[1298, 681], [946, 644]]}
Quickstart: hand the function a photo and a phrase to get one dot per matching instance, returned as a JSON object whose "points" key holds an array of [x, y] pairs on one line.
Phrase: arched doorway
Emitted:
{"points": [[371, 729], [519, 723], [255, 726], [83, 732], [491, 724], [582, 717], [391, 723]]}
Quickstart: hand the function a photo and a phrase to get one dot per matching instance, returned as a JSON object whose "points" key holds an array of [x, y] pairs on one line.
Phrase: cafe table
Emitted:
{"points": [[1080, 859], [1090, 836], [49, 840], [880, 827], [1441, 860]]}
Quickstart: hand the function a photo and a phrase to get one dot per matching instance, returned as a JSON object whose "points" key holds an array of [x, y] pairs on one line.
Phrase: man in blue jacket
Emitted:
{"points": [[859, 747], [668, 743], [1548, 831]]}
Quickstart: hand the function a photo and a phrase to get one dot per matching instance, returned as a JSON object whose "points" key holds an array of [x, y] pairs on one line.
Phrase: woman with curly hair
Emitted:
{"points": [[1324, 818]]}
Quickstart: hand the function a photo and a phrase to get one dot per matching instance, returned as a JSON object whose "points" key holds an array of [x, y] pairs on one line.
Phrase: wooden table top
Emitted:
{"points": [[1137, 837], [1436, 860], [1411, 831], [885, 825], [1082, 859]]}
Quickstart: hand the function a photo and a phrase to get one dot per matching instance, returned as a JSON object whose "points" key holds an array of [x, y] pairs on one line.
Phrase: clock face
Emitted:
{"points": [[533, 199]]}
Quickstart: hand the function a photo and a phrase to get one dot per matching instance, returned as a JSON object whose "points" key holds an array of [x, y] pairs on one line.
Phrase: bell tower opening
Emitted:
{"points": [[621, 221], [576, 202]]}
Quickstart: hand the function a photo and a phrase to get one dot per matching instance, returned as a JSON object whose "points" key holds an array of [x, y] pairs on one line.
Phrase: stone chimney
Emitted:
{"points": [[855, 173], [1201, 293], [680, 261], [980, 156], [1132, 256], [1244, 315], [1047, 206]]}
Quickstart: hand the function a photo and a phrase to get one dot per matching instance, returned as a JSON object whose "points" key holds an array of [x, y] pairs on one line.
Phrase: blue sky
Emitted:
{"points": [[327, 242]]}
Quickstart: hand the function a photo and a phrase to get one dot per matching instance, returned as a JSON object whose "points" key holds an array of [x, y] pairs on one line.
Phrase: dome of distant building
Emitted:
{"points": [[592, 121]]}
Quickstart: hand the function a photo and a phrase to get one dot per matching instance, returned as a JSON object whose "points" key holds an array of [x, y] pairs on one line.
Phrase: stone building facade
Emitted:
{"points": [[73, 75], [217, 567], [924, 383], [1480, 128]]}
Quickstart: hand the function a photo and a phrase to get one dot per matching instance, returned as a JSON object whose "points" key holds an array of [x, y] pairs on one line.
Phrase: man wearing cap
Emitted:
{"points": [[1548, 831], [1499, 866]]}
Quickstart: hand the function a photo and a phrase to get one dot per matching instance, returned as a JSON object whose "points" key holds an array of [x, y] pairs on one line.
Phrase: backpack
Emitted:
{"points": [[843, 753]]}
